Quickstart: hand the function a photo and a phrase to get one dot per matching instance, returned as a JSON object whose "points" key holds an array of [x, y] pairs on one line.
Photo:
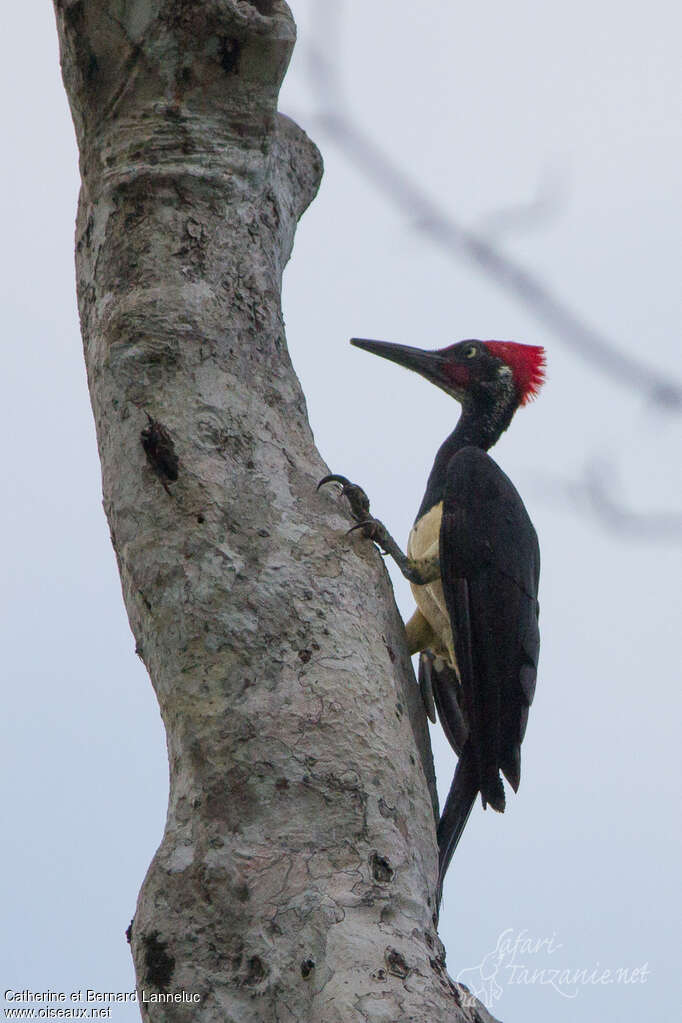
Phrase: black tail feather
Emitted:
{"points": [[461, 798]]}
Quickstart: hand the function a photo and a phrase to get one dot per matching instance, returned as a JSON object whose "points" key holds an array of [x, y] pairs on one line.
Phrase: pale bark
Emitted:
{"points": [[295, 879]]}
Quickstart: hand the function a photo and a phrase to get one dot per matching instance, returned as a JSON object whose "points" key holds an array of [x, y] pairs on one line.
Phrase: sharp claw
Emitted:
{"points": [[333, 478], [356, 496], [363, 525]]}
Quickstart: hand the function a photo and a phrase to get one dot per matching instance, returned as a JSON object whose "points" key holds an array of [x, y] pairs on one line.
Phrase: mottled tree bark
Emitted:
{"points": [[295, 879]]}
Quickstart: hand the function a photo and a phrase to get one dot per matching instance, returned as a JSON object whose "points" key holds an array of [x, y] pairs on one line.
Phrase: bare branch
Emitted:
{"points": [[595, 495], [403, 191], [536, 212]]}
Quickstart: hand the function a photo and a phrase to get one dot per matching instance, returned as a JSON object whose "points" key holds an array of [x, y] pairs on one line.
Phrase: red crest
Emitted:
{"points": [[527, 363]]}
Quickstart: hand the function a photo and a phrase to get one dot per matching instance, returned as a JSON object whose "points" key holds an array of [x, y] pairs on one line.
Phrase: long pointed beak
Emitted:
{"points": [[427, 364]]}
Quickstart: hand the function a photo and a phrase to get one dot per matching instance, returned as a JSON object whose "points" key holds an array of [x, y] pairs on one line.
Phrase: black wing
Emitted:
{"points": [[490, 564]]}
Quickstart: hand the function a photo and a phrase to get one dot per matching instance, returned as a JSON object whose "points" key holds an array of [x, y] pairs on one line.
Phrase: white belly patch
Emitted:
{"points": [[423, 542]]}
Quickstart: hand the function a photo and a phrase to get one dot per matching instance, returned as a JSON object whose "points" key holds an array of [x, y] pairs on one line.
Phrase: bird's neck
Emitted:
{"points": [[478, 427]]}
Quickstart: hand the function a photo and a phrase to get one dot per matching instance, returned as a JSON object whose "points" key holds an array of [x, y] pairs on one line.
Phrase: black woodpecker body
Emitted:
{"points": [[473, 563]]}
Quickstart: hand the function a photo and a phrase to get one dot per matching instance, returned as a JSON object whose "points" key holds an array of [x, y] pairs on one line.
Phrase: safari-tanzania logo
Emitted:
{"points": [[518, 958]]}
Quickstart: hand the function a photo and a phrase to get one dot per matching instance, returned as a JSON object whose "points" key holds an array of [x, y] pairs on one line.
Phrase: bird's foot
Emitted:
{"points": [[357, 499], [373, 529]]}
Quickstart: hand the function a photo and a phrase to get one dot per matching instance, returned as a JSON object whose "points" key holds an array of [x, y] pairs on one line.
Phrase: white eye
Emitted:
{"points": [[471, 352]]}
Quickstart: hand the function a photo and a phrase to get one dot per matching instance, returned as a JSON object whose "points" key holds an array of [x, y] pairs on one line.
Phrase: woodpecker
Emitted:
{"points": [[473, 563]]}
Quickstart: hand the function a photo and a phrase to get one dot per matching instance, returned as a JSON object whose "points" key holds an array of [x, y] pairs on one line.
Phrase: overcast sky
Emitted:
{"points": [[487, 106]]}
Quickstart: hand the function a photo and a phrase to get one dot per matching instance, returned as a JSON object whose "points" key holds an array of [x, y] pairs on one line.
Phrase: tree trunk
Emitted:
{"points": [[295, 880]]}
